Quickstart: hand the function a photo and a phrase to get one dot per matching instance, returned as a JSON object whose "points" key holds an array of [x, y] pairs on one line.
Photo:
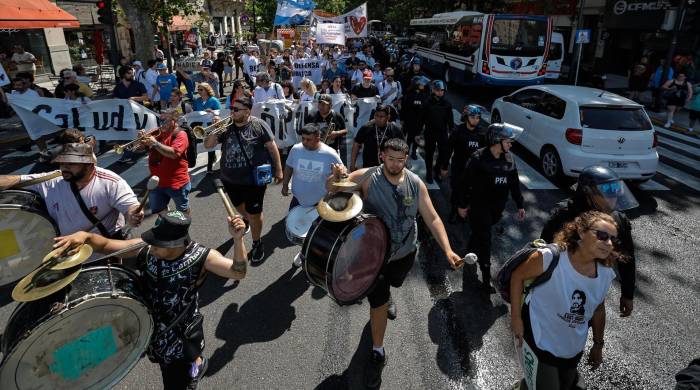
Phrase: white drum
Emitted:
{"points": [[299, 222]]}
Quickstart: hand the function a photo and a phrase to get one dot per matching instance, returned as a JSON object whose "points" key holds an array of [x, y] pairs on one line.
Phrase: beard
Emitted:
{"points": [[393, 172], [75, 177]]}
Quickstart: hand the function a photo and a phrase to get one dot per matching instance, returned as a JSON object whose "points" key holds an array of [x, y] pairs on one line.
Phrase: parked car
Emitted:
{"points": [[570, 128]]}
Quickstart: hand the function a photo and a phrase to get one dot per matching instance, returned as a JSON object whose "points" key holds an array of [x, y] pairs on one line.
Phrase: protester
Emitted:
{"points": [[288, 91], [218, 68], [207, 100], [365, 89], [70, 77], [165, 83], [337, 87], [377, 74], [72, 92], [371, 136], [389, 90], [267, 89], [331, 123], [128, 88], [678, 92], [638, 77], [25, 61], [308, 90]]}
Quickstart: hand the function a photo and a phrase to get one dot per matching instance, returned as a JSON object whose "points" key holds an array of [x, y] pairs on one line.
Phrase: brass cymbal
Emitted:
{"points": [[43, 282], [339, 207], [64, 262], [344, 183]]}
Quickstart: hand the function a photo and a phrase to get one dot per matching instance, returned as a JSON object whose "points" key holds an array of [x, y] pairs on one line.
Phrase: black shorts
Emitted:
{"points": [[252, 196], [392, 275]]}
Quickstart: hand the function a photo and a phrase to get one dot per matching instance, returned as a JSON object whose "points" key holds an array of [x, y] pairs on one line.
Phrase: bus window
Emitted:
{"points": [[518, 37], [555, 51], [466, 37]]}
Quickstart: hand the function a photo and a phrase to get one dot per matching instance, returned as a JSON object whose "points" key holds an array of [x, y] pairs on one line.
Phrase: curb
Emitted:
{"points": [[674, 127]]}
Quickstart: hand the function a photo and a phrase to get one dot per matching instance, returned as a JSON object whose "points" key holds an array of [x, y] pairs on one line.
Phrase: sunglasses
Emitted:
{"points": [[605, 236]]}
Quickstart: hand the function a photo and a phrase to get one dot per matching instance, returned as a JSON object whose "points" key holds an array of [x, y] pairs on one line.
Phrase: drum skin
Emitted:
{"points": [[86, 336], [345, 258], [298, 223], [26, 233]]}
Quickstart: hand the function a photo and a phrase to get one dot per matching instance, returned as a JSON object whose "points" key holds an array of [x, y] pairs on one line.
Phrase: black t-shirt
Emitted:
{"points": [[362, 92], [371, 138], [332, 117], [236, 162], [135, 88]]}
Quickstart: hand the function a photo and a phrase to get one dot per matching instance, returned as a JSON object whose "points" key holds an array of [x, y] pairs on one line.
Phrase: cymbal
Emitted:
{"points": [[339, 207], [64, 262], [56, 279], [344, 183]]}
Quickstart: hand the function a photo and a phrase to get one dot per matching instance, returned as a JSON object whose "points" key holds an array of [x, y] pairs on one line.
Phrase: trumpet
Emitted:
{"points": [[215, 128], [329, 130], [119, 149]]}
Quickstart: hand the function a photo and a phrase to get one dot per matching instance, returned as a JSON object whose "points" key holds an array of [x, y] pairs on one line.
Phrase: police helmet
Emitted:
{"points": [[472, 110], [603, 189], [498, 132], [439, 84]]}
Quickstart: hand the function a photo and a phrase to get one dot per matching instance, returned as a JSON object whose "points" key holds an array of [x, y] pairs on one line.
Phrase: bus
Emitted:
{"points": [[378, 28], [472, 48]]}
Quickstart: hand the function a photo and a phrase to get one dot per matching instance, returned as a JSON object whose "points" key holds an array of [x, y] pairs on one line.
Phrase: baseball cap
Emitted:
{"points": [[325, 98], [161, 66], [367, 75]]}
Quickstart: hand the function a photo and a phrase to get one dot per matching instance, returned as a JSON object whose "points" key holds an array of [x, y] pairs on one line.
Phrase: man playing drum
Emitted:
{"points": [[396, 195], [173, 268], [83, 188]]}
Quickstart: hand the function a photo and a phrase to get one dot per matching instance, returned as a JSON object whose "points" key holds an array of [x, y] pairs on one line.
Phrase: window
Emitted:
{"points": [[552, 106], [466, 36], [529, 99], [614, 118], [555, 51], [518, 37]]}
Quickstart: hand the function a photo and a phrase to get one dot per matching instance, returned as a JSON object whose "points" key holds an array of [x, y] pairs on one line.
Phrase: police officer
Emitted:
{"points": [[439, 122], [489, 177], [467, 138], [411, 72], [412, 105], [600, 189]]}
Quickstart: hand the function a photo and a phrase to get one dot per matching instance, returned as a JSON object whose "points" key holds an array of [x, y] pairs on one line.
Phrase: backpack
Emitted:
{"points": [[191, 146], [502, 281]]}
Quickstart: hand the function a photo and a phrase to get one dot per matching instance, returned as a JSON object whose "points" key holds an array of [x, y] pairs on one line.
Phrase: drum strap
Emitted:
{"points": [[90, 216]]}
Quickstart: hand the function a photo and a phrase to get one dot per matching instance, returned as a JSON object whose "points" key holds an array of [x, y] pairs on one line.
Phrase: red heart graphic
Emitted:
{"points": [[358, 25]]}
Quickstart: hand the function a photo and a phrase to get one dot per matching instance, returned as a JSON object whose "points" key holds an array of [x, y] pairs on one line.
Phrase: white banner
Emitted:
{"points": [[309, 68], [4, 78], [280, 116], [330, 33], [107, 120], [355, 22]]}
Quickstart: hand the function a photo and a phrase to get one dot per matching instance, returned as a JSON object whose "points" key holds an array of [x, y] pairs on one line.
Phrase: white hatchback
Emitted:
{"points": [[570, 128]]}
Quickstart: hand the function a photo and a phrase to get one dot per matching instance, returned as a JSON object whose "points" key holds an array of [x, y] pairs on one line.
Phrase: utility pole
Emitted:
{"points": [[674, 41], [579, 25], [166, 33]]}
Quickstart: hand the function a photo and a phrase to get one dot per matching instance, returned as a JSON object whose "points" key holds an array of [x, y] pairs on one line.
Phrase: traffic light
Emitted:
{"points": [[104, 12]]}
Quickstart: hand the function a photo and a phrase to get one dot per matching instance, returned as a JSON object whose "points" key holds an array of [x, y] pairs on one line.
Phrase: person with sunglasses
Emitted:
{"points": [[550, 323], [467, 138], [599, 188]]}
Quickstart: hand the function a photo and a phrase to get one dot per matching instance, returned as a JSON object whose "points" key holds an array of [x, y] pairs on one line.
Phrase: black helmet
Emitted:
{"points": [[498, 132], [603, 190]]}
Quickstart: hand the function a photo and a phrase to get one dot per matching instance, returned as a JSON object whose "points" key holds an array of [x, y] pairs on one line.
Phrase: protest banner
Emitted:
{"points": [[107, 120], [330, 34], [355, 22], [306, 67], [4, 78]]}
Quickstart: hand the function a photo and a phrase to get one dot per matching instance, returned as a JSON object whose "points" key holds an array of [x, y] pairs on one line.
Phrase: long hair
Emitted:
{"points": [[210, 90], [568, 238]]}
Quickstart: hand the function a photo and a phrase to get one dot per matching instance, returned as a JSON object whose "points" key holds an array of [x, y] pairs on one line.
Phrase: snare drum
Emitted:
{"points": [[26, 233], [298, 223], [345, 258], [87, 336]]}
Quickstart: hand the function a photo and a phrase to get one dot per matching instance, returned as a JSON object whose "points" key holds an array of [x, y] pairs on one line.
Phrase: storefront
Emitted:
{"points": [[89, 44]]}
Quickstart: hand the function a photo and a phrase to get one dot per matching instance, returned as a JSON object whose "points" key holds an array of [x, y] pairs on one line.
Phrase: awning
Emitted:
{"points": [[183, 23], [27, 14]]}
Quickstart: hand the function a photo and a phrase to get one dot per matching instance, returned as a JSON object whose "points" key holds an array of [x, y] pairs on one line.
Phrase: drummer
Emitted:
{"points": [[84, 196], [173, 268], [396, 195], [309, 163]]}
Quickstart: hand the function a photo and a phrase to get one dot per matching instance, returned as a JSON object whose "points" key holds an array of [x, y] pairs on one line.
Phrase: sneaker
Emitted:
{"points": [[391, 310], [373, 369], [257, 253], [297, 260]]}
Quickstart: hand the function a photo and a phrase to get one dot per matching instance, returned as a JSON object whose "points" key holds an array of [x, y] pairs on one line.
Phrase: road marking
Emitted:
{"points": [[684, 137], [530, 178], [678, 157], [651, 185], [679, 176], [681, 146]]}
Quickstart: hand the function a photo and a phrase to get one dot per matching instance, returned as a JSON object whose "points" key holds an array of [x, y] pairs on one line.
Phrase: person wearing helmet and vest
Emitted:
{"points": [[439, 122], [599, 188], [490, 176], [469, 136], [412, 105]]}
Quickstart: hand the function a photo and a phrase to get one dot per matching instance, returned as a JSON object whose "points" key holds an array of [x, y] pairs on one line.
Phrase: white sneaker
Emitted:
{"points": [[667, 124], [297, 260], [690, 129]]}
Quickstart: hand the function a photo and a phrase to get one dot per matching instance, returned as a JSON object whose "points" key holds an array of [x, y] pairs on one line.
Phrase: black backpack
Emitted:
{"points": [[502, 281], [191, 146]]}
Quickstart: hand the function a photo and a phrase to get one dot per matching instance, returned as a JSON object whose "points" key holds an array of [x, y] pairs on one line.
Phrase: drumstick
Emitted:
{"points": [[150, 186], [37, 180], [227, 203]]}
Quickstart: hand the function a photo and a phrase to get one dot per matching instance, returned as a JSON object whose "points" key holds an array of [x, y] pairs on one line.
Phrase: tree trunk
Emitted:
{"points": [[142, 24]]}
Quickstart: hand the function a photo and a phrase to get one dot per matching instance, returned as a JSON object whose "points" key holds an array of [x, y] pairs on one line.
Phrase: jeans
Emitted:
{"points": [[160, 197]]}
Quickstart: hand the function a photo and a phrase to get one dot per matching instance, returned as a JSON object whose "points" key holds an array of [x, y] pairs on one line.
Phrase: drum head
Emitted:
{"points": [[360, 258], [90, 346], [26, 234], [300, 219]]}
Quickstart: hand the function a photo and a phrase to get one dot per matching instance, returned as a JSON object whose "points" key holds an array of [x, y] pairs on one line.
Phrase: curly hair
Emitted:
{"points": [[568, 238], [208, 88]]}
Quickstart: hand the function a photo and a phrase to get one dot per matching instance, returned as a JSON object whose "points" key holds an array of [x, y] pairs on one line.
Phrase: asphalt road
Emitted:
{"points": [[275, 331]]}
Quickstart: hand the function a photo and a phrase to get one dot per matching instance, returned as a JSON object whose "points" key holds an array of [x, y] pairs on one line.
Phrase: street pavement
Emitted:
{"points": [[275, 331]]}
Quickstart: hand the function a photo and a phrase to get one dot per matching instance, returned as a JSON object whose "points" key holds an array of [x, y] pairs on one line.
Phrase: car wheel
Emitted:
{"points": [[496, 117], [551, 164]]}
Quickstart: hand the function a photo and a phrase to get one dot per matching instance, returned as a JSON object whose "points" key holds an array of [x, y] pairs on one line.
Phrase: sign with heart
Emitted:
{"points": [[358, 25], [355, 21]]}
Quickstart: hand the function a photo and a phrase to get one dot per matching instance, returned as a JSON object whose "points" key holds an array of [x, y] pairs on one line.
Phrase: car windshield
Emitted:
{"points": [[518, 37], [614, 118]]}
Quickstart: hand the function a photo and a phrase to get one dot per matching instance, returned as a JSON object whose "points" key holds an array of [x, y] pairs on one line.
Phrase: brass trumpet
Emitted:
{"points": [[119, 149], [329, 130], [215, 128]]}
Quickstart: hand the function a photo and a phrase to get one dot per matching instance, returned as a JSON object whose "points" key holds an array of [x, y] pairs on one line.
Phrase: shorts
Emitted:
{"points": [[392, 275], [252, 196], [160, 197], [228, 69]]}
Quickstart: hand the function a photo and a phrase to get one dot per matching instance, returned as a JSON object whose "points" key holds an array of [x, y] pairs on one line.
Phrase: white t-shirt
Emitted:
{"points": [[305, 97], [26, 56], [384, 87], [273, 92], [107, 195], [151, 80], [311, 168], [561, 307], [356, 77], [250, 65], [27, 93]]}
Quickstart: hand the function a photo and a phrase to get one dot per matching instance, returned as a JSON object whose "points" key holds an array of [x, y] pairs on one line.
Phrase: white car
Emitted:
{"points": [[570, 128]]}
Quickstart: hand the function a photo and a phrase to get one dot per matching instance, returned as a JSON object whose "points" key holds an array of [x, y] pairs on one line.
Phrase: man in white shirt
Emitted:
{"points": [[251, 62], [389, 89], [266, 89], [21, 87], [152, 82], [26, 62], [103, 193]]}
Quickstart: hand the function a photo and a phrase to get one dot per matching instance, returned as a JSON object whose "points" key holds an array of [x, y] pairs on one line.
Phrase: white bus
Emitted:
{"points": [[471, 48]]}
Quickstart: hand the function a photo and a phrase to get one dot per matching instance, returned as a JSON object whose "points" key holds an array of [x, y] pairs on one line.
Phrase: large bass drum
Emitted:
{"points": [[87, 336], [344, 258], [26, 233]]}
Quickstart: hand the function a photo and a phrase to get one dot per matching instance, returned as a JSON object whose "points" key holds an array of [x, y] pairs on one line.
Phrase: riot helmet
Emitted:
{"points": [[603, 190], [499, 132]]}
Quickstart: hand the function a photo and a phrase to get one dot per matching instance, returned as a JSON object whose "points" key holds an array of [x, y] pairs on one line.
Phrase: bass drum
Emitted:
{"points": [[26, 233], [344, 258], [87, 336]]}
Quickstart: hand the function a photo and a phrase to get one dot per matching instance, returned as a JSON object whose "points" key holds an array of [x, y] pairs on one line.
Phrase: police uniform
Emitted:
{"points": [[462, 144]]}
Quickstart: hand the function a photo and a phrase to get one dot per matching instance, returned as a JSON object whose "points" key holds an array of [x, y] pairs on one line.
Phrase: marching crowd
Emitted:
{"points": [[592, 234]]}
